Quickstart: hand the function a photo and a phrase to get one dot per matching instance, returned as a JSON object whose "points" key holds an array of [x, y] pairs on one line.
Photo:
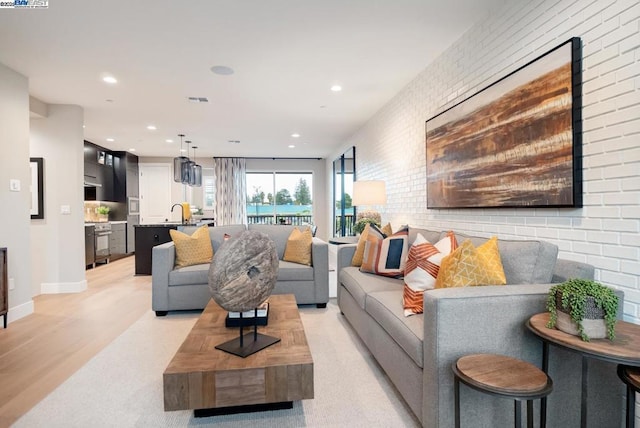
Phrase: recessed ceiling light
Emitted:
{"points": [[169, 140], [323, 106], [110, 80], [183, 150], [222, 70], [234, 141], [132, 150], [151, 128], [291, 146], [109, 101], [111, 140], [198, 99], [336, 88], [295, 135]]}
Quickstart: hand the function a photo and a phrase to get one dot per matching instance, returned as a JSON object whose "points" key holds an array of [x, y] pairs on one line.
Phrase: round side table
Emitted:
{"points": [[631, 377], [502, 376]]}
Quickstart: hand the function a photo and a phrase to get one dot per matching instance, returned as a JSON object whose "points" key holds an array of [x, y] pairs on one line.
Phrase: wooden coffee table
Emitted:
{"points": [[214, 382]]}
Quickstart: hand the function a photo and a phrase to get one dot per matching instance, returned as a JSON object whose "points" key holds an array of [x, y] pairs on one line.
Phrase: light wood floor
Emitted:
{"points": [[39, 352]]}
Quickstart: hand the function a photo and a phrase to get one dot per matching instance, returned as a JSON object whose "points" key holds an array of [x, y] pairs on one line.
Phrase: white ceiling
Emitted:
{"points": [[286, 55]]}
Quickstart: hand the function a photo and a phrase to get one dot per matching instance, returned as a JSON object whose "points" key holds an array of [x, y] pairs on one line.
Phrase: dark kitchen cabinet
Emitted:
{"points": [[147, 236], [118, 240], [98, 173], [125, 166], [89, 245]]}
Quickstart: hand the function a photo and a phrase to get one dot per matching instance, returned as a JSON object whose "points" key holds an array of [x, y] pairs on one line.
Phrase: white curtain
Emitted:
{"points": [[230, 205]]}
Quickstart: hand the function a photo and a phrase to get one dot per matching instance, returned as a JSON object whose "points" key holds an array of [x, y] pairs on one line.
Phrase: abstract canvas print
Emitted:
{"points": [[516, 143]]}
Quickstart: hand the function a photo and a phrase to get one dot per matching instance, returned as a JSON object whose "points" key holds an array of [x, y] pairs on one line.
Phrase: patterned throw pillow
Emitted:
{"points": [[385, 256], [423, 265], [298, 249], [192, 249], [469, 266], [356, 260]]}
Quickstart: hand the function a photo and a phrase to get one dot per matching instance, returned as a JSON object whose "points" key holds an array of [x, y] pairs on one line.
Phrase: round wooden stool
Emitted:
{"points": [[502, 376], [631, 377]]}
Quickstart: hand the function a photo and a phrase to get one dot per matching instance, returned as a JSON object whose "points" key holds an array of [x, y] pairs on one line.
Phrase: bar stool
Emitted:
{"points": [[631, 377], [502, 376]]}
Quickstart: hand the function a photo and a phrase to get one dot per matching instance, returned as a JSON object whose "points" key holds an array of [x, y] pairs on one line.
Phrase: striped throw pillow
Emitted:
{"points": [[385, 256], [423, 265]]}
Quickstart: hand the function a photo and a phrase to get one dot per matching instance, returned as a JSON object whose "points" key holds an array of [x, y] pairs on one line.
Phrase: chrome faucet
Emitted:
{"points": [[181, 211]]}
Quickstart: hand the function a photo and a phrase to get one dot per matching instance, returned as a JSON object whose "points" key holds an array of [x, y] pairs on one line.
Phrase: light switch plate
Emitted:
{"points": [[12, 283], [65, 209], [14, 185]]}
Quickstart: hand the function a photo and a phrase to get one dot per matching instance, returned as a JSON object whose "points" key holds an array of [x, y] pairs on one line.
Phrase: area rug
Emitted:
{"points": [[122, 385]]}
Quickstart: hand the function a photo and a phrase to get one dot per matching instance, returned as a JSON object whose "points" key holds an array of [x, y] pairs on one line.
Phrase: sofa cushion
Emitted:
{"points": [[471, 266], [423, 266], [429, 235], [385, 256], [358, 284], [356, 260], [190, 275], [289, 271], [298, 248], [386, 308], [217, 233], [524, 261], [278, 233], [192, 249]]}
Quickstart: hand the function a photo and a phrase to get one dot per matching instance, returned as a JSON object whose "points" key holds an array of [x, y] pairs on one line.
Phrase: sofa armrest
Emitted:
{"points": [[345, 254], [163, 258], [566, 269], [320, 262], [468, 320]]}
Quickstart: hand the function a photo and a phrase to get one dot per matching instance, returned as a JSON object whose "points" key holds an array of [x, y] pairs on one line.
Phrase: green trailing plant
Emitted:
{"points": [[573, 294], [102, 210]]}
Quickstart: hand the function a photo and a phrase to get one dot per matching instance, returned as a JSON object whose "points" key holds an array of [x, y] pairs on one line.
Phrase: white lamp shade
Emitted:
{"points": [[369, 192]]}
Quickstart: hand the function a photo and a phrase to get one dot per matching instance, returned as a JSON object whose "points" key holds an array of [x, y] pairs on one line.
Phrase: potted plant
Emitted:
{"points": [[365, 217], [584, 308], [103, 212]]}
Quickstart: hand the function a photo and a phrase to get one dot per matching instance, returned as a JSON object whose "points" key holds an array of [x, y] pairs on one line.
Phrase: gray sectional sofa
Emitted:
{"points": [[417, 352], [187, 288]]}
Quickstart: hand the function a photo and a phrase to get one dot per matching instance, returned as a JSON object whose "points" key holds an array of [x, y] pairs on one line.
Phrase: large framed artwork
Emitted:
{"points": [[516, 143], [37, 188]]}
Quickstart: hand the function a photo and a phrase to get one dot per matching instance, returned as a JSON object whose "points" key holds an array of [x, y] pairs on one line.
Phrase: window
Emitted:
{"points": [[208, 189], [280, 197]]}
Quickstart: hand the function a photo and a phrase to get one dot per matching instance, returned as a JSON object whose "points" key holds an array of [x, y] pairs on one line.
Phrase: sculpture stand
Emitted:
{"points": [[254, 341]]}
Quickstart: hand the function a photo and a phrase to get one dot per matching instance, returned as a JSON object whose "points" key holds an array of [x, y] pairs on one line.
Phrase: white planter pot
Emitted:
{"points": [[593, 328]]}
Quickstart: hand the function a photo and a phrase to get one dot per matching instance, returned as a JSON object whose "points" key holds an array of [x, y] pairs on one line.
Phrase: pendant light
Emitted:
{"points": [[178, 163], [186, 167], [195, 177]]}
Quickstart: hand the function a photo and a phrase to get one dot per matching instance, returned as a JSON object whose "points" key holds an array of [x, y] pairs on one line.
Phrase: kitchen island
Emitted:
{"points": [[148, 236]]}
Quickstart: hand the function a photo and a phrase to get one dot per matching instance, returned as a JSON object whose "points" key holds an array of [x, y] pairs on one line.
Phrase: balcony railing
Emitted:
{"points": [[293, 219], [348, 222]]}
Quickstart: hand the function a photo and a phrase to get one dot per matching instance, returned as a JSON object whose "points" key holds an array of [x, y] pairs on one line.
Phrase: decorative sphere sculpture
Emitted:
{"points": [[243, 271]]}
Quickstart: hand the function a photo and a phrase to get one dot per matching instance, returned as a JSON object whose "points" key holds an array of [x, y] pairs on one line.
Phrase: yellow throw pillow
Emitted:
{"points": [[192, 249], [468, 266], [387, 230], [298, 249], [356, 260]]}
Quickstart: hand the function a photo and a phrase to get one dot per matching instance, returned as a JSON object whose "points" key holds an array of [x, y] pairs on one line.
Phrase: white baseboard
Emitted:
{"points": [[63, 287], [20, 311]]}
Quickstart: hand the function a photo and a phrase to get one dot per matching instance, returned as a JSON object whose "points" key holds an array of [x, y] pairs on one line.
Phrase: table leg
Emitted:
{"points": [[456, 394], [517, 406], [584, 392], [543, 401]]}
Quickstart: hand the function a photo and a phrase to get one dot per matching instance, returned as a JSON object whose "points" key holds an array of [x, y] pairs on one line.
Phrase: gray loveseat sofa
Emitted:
{"points": [[417, 352], [187, 288]]}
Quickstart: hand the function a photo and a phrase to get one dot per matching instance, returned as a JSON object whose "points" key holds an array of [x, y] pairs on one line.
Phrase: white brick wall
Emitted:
{"points": [[606, 232]]}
